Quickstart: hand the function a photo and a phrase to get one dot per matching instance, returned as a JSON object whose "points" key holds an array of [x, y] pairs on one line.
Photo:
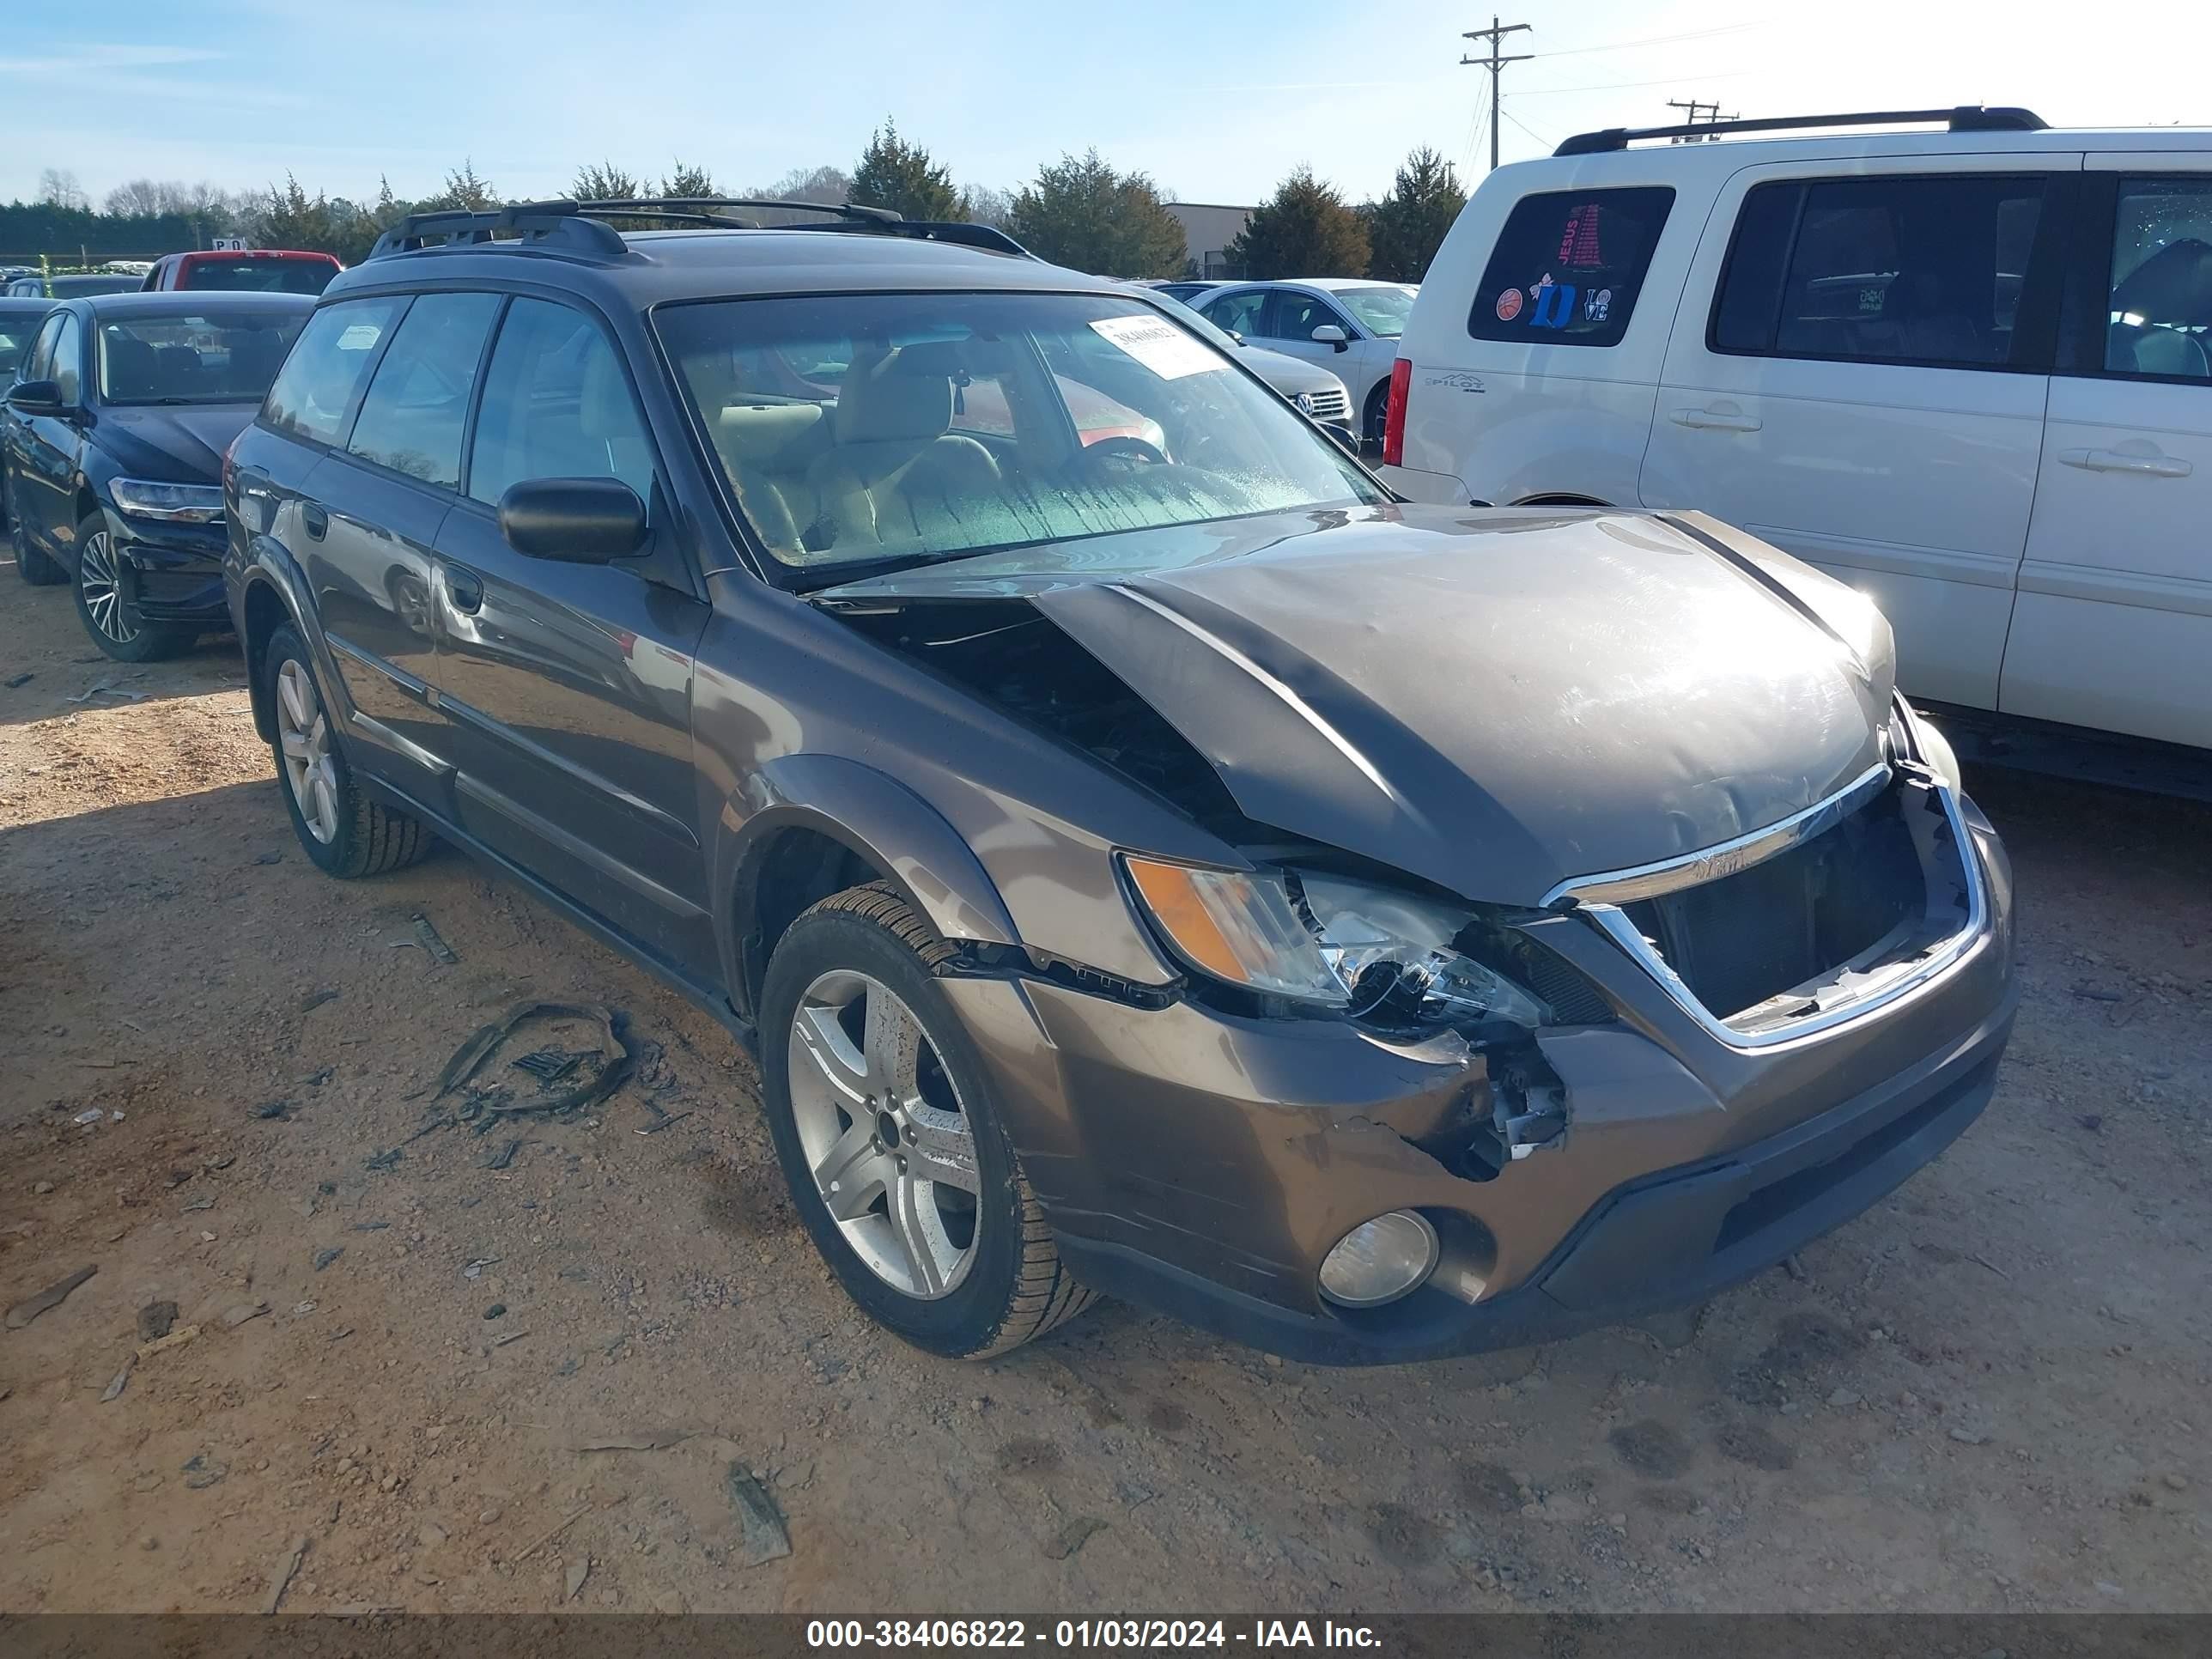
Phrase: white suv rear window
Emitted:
{"points": [[1568, 266]]}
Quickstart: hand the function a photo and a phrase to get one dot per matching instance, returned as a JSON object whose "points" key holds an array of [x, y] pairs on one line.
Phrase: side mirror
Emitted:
{"points": [[1234, 336], [577, 521], [35, 397], [1346, 438], [1330, 334]]}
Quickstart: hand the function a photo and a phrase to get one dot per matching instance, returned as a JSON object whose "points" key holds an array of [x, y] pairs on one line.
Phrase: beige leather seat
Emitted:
{"points": [[894, 463], [765, 448]]}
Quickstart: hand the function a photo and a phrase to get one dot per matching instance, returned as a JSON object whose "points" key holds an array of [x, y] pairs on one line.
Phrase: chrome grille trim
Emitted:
{"points": [[1726, 857], [1879, 989]]}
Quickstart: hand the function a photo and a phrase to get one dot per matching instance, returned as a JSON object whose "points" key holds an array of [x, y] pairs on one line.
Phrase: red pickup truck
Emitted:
{"points": [[261, 270]]}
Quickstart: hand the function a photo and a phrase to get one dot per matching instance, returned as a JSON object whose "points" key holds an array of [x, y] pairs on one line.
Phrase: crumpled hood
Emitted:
{"points": [[1496, 702], [183, 444]]}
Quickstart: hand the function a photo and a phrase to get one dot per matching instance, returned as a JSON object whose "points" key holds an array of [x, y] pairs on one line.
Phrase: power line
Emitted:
{"points": [[1495, 35], [1616, 85], [1474, 130], [1551, 143], [1650, 40]]}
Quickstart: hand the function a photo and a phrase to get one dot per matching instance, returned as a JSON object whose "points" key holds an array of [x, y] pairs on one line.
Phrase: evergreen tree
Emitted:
{"points": [[902, 177], [1406, 227], [1304, 229], [1080, 212]]}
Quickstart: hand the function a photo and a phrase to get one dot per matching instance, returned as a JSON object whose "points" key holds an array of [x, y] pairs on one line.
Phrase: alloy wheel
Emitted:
{"points": [[303, 736], [97, 579], [884, 1133]]}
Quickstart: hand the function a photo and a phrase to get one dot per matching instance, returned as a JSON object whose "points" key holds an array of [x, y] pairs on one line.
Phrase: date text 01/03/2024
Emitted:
{"points": [[1086, 1633]]}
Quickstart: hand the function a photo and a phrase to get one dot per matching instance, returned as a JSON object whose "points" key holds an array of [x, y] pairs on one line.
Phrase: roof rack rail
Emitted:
{"points": [[1966, 118], [697, 208], [534, 223], [958, 231], [580, 227]]}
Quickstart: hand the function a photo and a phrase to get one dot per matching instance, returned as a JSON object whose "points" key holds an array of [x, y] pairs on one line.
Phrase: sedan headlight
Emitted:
{"points": [[171, 503], [1367, 950]]}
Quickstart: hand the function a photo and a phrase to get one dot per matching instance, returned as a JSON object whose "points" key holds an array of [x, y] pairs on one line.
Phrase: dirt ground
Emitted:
{"points": [[1990, 1393]]}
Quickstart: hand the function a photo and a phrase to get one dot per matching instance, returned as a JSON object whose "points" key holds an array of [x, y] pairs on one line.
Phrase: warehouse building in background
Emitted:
{"points": [[1208, 228]]}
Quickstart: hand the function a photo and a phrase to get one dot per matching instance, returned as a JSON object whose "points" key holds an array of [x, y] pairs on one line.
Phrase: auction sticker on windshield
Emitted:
{"points": [[1159, 345]]}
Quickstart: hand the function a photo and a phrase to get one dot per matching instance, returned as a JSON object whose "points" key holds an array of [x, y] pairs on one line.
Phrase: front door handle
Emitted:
{"points": [[2120, 460], [316, 517], [463, 589], [1727, 418]]}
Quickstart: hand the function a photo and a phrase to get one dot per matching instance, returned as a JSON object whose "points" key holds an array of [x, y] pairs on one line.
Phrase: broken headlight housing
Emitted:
{"points": [[1367, 951]]}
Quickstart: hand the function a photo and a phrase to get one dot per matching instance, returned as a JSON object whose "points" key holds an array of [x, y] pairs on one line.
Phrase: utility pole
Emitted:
{"points": [[1495, 35], [1694, 108]]}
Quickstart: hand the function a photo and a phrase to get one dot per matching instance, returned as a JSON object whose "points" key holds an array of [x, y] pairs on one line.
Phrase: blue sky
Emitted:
{"points": [[1216, 102]]}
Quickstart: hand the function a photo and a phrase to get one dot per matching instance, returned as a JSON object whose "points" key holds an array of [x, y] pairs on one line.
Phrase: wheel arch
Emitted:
{"points": [[272, 596], [813, 824]]}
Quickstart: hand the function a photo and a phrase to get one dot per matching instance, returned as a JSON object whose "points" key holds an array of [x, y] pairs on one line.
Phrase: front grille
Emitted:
{"points": [[1745, 939], [1330, 405]]}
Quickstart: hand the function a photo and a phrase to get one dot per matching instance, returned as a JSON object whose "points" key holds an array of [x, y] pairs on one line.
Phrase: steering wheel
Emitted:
{"points": [[1116, 454]]}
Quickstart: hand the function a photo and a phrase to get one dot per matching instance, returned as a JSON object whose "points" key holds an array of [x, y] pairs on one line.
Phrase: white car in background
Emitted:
{"points": [[1349, 325], [1967, 371]]}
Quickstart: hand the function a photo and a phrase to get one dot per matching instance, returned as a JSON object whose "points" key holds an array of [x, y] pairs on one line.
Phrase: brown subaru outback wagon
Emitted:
{"points": [[1144, 856]]}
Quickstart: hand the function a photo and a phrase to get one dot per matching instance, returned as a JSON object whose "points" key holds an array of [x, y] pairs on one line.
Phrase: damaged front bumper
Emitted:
{"points": [[1204, 1164]]}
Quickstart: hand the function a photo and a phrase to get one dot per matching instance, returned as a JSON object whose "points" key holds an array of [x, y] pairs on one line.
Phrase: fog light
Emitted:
{"points": [[1379, 1261]]}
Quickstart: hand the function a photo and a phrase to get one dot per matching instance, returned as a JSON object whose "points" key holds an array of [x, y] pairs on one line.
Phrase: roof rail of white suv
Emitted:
{"points": [[1966, 118]]}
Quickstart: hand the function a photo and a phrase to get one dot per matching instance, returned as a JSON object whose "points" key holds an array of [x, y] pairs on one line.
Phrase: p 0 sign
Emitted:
{"points": [[227, 244]]}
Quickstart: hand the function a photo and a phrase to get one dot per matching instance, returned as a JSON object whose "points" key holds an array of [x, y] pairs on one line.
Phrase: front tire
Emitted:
{"points": [[345, 833], [891, 1137], [104, 604]]}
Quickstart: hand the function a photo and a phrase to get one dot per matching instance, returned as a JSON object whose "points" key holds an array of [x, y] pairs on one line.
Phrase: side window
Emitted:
{"points": [[314, 392], [68, 359], [1239, 313], [38, 365], [555, 405], [1568, 266], [1926, 270], [413, 414], [1298, 315], [2159, 316]]}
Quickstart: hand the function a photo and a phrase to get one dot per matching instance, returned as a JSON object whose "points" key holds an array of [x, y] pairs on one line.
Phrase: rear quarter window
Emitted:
{"points": [[321, 382], [1568, 266]]}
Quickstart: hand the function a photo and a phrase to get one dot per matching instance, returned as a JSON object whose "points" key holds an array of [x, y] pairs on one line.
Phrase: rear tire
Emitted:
{"points": [[1376, 415], [33, 566], [347, 833], [858, 957]]}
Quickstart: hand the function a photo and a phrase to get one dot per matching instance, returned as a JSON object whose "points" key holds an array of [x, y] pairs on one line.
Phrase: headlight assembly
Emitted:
{"points": [[171, 503], [1365, 950]]}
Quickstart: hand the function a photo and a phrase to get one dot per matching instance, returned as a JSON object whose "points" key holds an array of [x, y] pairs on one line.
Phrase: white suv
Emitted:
{"points": [[1968, 372]]}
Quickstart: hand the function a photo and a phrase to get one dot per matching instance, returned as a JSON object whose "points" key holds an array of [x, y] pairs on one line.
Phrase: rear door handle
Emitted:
{"points": [[2118, 461], [1716, 420], [463, 589], [317, 519]]}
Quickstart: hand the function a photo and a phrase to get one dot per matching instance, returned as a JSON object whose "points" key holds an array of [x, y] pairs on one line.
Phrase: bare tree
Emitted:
{"points": [[138, 199], [986, 206], [822, 184], [58, 187]]}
